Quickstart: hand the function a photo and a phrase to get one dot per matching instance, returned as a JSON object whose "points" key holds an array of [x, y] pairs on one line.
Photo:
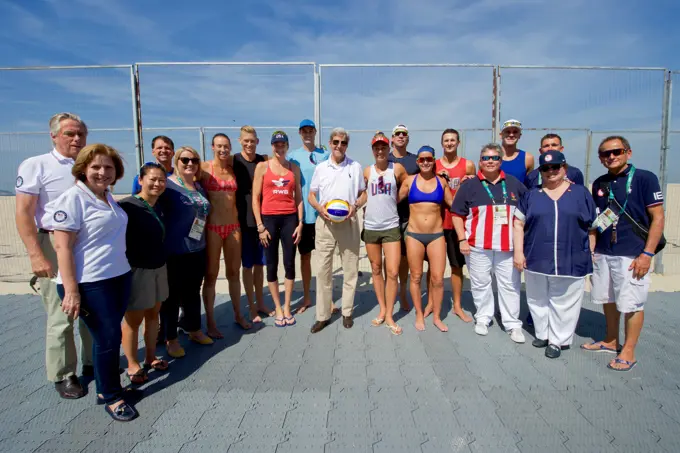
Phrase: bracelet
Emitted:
{"points": [[462, 240], [649, 254]]}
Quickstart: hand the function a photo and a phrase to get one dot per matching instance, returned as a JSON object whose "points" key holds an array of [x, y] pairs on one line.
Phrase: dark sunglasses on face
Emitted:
{"points": [[493, 158], [193, 160], [611, 152], [550, 167], [425, 160], [401, 134], [340, 142]]}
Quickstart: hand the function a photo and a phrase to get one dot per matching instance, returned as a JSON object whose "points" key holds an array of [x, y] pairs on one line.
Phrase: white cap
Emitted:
{"points": [[399, 127], [511, 123]]}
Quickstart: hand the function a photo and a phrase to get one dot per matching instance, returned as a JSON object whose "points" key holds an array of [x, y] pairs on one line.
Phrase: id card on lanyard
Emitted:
{"points": [[609, 218], [500, 212], [198, 225]]}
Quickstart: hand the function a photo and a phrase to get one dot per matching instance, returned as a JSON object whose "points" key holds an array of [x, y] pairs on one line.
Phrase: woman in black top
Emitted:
{"points": [[146, 254]]}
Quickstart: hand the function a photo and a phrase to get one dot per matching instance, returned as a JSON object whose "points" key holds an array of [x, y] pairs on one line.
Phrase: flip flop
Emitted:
{"points": [[158, 365], [290, 321], [377, 321], [600, 348], [629, 365], [280, 322], [395, 329], [139, 377]]}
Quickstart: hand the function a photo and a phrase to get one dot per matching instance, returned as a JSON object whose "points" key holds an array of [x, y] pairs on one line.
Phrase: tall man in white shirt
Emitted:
{"points": [[337, 178], [40, 180]]}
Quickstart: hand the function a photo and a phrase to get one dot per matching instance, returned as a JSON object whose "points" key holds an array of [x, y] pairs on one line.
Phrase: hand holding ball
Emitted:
{"points": [[337, 210]]}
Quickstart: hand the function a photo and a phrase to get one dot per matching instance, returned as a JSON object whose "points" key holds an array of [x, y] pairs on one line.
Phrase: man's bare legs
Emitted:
{"points": [[403, 284], [632, 328], [457, 290], [306, 271]]}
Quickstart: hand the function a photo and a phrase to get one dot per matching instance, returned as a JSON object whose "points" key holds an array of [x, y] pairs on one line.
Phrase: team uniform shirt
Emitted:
{"points": [[556, 232], [181, 208], [488, 223], [136, 188], [244, 171], [516, 167], [99, 249], [343, 181], [46, 176], [410, 164], [645, 192], [145, 237], [456, 175], [381, 204], [534, 179], [307, 161]]}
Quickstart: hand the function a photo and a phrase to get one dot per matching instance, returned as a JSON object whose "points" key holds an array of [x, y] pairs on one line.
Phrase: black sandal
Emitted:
{"points": [[122, 413], [139, 377]]}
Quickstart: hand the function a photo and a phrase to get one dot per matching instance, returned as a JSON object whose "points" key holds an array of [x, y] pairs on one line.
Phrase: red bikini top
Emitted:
{"points": [[214, 184]]}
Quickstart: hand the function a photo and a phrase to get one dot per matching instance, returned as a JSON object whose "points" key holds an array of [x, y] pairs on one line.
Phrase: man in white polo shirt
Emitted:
{"points": [[42, 179], [338, 178]]}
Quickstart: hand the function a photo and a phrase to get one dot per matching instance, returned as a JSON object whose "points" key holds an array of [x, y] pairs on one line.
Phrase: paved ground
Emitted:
{"points": [[359, 390]]}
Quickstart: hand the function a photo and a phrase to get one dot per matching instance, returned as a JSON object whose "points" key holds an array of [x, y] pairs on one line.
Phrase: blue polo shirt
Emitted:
{"points": [[136, 188], [410, 163], [533, 179], [645, 192], [307, 161], [556, 232]]}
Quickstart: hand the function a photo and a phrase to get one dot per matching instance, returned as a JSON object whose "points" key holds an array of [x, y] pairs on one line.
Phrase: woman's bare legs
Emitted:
{"points": [[415, 252]]}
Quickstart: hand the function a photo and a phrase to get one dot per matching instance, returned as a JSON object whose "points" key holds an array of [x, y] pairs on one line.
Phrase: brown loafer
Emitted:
{"points": [[318, 326], [347, 322], [70, 388]]}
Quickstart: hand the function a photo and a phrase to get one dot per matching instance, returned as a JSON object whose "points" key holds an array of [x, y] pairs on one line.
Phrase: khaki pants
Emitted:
{"points": [[61, 359], [346, 236]]}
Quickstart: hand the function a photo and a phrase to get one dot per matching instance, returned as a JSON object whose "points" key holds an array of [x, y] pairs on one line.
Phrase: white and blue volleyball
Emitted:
{"points": [[338, 210]]}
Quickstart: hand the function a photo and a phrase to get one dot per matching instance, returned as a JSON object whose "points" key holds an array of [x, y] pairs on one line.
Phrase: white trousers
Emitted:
{"points": [[481, 265], [555, 305]]}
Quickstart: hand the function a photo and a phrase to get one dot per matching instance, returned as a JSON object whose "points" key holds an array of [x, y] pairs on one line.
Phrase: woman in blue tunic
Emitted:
{"points": [[552, 245]]}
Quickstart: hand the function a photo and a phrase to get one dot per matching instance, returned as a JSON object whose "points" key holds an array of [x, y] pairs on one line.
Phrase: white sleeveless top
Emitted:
{"points": [[381, 207]]}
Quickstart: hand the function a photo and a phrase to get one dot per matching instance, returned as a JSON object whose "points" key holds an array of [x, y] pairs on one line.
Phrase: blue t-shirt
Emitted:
{"points": [[136, 188], [410, 163], [516, 167], [180, 207], [534, 180], [556, 232], [307, 161], [644, 193]]}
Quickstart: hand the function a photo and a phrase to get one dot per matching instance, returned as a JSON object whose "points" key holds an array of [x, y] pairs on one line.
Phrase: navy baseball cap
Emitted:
{"points": [[279, 137], [551, 157], [305, 123]]}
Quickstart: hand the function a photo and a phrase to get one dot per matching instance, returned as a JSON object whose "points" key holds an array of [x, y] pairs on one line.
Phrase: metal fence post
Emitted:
{"points": [[317, 107], [137, 115], [663, 168], [496, 110], [589, 147], [201, 140]]}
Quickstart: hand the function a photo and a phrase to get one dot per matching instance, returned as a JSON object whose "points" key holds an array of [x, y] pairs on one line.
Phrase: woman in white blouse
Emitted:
{"points": [[94, 274]]}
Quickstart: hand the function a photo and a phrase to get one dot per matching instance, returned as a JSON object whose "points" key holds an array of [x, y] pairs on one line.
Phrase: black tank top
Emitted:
{"points": [[245, 173]]}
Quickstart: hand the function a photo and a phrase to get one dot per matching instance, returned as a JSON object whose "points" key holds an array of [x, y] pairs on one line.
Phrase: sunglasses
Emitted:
{"points": [[340, 142], [612, 152], [401, 134], [425, 160], [193, 160], [493, 158], [312, 158], [381, 182], [550, 167]]}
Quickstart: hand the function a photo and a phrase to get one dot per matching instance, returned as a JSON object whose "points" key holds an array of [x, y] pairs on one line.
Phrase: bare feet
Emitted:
{"points": [[440, 325], [428, 310], [420, 323], [243, 322], [262, 309], [462, 315], [305, 305], [214, 333]]}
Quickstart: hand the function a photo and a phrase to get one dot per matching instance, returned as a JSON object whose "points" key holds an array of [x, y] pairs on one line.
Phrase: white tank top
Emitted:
{"points": [[381, 207]]}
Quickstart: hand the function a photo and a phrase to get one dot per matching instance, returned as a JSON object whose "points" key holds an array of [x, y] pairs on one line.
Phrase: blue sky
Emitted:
{"points": [[522, 32]]}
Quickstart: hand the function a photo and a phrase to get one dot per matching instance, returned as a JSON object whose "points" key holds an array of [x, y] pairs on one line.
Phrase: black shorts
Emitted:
{"points": [[456, 259], [306, 244]]}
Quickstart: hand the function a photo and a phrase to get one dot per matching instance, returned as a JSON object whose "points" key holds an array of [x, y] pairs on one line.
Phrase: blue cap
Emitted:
{"points": [[305, 123], [425, 149], [279, 137], [551, 157]]}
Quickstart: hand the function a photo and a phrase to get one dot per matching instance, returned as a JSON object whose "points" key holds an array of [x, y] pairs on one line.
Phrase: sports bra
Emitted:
{"points": [[415, 195], [215, 184]]}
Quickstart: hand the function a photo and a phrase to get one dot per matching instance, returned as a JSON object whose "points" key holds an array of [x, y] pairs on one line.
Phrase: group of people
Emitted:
{"points": [[153, 256]]}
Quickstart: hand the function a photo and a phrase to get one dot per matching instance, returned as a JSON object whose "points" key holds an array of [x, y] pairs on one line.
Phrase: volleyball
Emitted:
{"points": [[338, 210]]}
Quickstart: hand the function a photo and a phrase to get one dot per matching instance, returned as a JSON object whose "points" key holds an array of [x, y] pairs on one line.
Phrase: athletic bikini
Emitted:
{"points": [[215, 184], [415, 195]]}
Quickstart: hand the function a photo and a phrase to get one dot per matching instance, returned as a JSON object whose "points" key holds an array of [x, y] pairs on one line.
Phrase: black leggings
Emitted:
{"points": [[185, 275], [280, 227]]}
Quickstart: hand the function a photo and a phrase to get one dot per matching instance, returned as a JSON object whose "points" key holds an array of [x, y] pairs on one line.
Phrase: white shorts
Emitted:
{"points": [[613, 282]]}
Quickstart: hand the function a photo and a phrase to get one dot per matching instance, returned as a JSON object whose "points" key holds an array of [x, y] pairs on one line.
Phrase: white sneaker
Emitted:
{"points": [[517, 336], [481, 329]]}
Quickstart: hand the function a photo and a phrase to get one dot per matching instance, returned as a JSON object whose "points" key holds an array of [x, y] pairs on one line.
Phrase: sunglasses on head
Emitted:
{"points": [[425, 160], [493, 158], [611, 152], [550, 167], [340, 142], [401, 134], [193, 160]]}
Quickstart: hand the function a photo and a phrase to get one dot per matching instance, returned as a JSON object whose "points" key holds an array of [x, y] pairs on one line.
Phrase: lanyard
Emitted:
{"points": [[193, 195], [153, 213], [629, 183], [488, 191]]}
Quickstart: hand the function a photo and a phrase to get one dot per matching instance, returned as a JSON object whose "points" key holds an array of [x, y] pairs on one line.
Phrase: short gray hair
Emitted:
{"points": [[339, 131], [55, 121], [492, 147]]}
